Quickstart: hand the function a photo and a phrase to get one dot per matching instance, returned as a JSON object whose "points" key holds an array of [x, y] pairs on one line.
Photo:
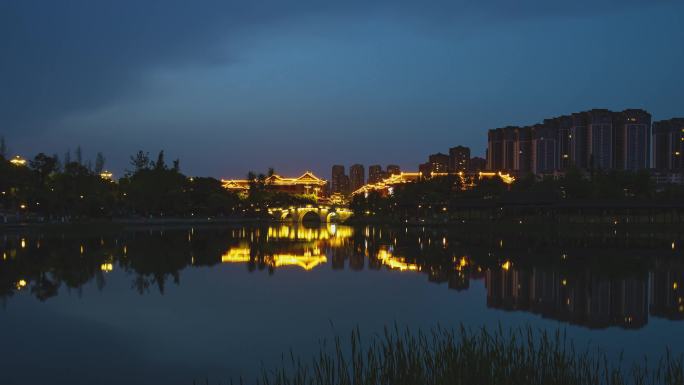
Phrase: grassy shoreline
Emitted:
{"points": [[467, 357]]}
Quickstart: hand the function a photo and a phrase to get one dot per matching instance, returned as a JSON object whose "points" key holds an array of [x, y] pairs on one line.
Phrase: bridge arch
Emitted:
{"points": [[324, 214], [310, 215]]}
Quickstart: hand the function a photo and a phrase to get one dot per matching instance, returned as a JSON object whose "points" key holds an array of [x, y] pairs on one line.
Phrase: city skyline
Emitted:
{"points": [[639, 134], [387, 86]]}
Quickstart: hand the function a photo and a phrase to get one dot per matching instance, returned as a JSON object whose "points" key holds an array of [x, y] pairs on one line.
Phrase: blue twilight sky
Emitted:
{"points": [[231, 86]]}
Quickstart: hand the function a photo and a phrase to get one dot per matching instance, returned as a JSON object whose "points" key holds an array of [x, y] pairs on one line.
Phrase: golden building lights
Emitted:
{"points": [[18, 161], [304, 184], [387, 185], [107, 267], [106, 175]]}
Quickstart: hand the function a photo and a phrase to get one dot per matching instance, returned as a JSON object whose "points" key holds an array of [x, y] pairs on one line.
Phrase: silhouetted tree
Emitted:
{"points": [[43, 165], [160, 164], [3, 148], [99, 163], [58, 164], [79, 155], [140, 161]]}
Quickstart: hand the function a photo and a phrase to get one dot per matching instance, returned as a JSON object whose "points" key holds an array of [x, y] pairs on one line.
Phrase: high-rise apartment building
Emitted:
{"points": [[633, 140], [439, 162], [562, 126], [522, 150], [425, 169], [336, 181], [345, 185], [495, 149], [357, 176], [477, 164], [578, 142], [375, 173], [393, 169], [508, 148], [459, 159], [544, 149], [668, 145], [600, 134], [596, 139]]}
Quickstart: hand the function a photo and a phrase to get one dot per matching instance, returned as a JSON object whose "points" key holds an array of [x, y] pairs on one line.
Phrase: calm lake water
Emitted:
{"points": [[173, 305]]}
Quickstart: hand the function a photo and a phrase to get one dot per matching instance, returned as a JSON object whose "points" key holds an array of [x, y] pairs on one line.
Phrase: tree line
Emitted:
{"points": [[435, 195], [70, 188]]}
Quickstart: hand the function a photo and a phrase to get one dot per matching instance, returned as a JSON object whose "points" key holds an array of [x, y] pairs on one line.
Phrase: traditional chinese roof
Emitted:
{"points": [[306, 179], [395, 179]]}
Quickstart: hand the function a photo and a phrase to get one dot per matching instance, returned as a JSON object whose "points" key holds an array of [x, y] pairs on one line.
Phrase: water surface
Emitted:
{"points": [[171, 305]]}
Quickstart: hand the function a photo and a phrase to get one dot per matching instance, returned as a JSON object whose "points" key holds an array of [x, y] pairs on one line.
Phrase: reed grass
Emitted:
{"points": [[467, 357]]}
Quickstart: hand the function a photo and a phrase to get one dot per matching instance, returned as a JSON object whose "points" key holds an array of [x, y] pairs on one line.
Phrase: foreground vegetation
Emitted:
{"points": [[519, 356]]}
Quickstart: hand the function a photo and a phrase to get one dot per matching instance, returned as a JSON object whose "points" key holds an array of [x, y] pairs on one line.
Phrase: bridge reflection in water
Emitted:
{"points": [[582, 282], [304, 249]]}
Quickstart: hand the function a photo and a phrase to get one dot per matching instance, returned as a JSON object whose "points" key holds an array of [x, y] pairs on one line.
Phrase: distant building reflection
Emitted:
{"points": [[667, 290], [585, 298], [582, 290]]}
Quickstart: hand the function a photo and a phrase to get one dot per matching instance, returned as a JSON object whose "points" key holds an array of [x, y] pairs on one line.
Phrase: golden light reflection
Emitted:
{"points": [[396, 263], [307, 260], [332, 234], [506, 265], [462, 263], [21, 284], [236, 255], [107, 267]]}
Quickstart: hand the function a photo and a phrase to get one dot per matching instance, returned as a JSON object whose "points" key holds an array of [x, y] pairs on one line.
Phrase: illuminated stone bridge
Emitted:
{"points": [[322, 213]]}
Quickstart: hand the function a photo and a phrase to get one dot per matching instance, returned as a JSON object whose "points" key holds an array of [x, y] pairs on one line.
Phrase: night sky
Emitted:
{"points": [[229, 87]]}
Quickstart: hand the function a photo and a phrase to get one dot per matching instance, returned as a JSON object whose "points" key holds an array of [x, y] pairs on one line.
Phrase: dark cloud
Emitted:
{"points": [[58, 57]]}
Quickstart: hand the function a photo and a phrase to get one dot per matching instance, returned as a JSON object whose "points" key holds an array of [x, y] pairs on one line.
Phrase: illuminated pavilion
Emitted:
{"points": [[305, 184], [385, 187]]}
